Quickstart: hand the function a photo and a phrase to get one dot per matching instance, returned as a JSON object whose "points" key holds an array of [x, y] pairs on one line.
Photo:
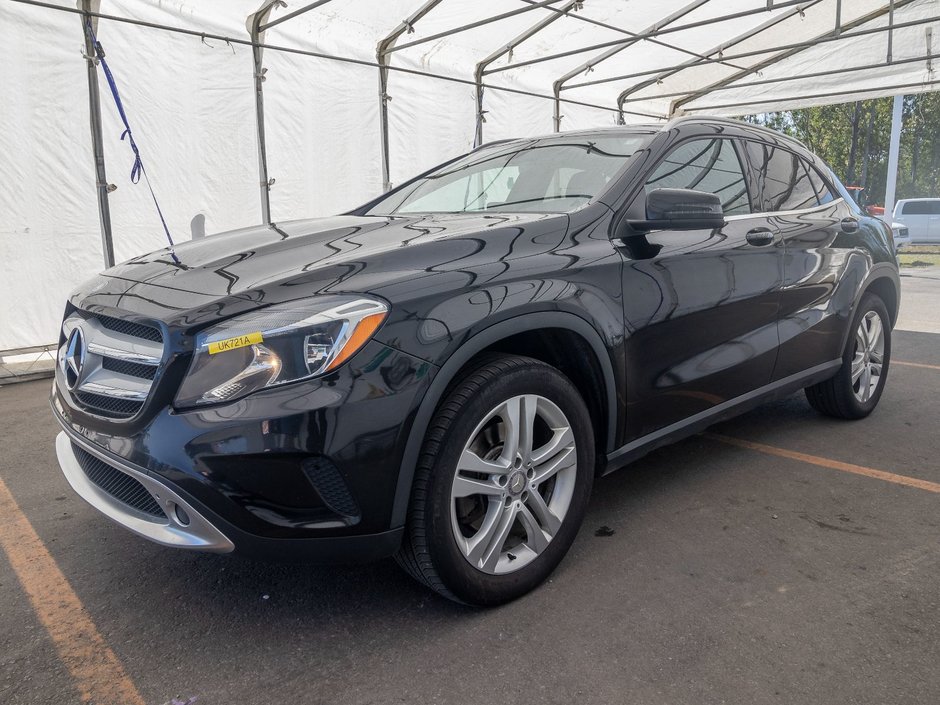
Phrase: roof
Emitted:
{"points": [[741, 128]]}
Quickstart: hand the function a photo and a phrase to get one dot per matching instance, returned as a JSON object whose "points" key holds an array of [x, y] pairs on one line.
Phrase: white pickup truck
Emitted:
{"points": [[921, 216]]}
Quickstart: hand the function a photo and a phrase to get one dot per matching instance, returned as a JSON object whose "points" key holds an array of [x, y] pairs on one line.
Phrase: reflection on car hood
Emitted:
{"points": [[286, 261], [243, 260]]}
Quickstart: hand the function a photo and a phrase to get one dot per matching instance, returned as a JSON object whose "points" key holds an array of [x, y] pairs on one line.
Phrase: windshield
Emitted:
{"points": [[543, 176]]}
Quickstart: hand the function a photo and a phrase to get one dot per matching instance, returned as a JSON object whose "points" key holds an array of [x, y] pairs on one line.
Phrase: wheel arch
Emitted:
{"points": [[888, 290], [495, 338], [884, 281]]}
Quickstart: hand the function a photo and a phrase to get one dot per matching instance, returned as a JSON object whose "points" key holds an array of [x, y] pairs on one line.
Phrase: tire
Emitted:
{"points": [[454, 544], [843, 397]]}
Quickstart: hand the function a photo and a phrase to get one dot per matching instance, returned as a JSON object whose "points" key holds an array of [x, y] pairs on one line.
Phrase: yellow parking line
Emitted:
{"points": [[915, 364], [827, 463], [98, 674]]}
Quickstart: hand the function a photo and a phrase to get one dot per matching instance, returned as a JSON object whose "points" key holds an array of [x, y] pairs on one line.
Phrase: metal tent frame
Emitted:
{"points": [[262, 21]]}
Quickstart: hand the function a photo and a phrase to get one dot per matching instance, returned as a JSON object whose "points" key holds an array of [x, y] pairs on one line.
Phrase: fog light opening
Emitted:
{"points": [[182, 518]]}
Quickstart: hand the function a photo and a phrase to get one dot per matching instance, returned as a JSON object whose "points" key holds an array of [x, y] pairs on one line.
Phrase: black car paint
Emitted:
{"points": [[683, 327]]}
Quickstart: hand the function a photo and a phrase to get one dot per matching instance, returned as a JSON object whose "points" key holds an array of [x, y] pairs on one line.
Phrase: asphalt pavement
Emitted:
{"points": [[781, 558]]}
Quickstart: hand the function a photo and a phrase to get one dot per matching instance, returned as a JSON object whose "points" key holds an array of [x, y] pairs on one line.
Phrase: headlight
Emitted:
{"points": [[276, 345]]}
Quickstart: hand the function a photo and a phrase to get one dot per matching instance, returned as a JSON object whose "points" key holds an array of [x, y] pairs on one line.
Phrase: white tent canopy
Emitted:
{"points": [[356, 94]]}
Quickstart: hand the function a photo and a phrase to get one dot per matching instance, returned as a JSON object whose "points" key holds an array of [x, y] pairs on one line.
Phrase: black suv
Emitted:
{"points": [[440, 374]]}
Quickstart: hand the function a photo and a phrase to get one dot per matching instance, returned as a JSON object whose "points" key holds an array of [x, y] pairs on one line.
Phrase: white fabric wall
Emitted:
{"points": [[191, 104], [49, 236]]}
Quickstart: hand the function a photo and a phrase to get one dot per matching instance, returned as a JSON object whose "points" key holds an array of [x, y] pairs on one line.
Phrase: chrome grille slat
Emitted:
{"points": [[108, 343], [118, 386], [120, 354]]}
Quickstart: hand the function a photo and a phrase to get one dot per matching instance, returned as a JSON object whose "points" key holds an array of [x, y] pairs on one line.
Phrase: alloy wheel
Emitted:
{"points": [[513, 485], [868, 360]]}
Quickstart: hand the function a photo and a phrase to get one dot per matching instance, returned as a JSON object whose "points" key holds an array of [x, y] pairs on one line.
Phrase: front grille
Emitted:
{"points": [[133, 369], [109, 364], [113, 407], [118, 485], [138, 330]]}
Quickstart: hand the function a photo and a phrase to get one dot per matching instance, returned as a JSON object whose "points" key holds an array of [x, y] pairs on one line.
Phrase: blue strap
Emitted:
{"points": [[138, 169]]}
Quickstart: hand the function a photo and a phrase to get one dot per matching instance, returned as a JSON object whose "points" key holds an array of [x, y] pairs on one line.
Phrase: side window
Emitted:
{"points": [[710, 165], [823, 194], [921, 208], [844, 193], [785, 181]]}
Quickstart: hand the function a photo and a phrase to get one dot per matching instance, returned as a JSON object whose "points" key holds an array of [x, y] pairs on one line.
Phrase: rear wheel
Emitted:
{"points": [[853, 392], [502, 485]]}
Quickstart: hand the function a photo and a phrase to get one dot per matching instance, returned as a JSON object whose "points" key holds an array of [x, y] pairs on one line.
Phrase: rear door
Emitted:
{"points": [[701, 305], [819, 234]]}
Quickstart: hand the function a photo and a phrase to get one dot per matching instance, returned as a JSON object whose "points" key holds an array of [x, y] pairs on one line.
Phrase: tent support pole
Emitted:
{"points": [[750, 107], [556, 112], [474, 25], [890, 30], [718, 49], [352, 61], [290, 15], [507, 49], [727, 58], [559, 85], [928, 58], [382, 57], [761, 65], [657, 33], [97, 141], [255, 22], [897, 116]]}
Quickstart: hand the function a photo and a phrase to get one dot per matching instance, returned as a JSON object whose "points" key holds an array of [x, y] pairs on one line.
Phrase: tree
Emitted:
{"points": [[853, 138]]}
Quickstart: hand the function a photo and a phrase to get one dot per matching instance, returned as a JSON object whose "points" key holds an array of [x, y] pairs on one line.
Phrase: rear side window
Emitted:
{"points": [[709, 165], [823, 194], [783, 178], [921, 208], [843, 192]]}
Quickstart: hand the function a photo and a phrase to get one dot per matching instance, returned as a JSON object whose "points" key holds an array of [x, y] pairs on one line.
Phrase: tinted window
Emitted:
{"points": [[544, 176], [921, 208], [785, 181], [823, 194], [844, 193], [705, 165]]}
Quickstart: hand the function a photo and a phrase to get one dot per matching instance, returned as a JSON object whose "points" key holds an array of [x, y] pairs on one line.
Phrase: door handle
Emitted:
{"points": [[760, 236], [849, 225]]}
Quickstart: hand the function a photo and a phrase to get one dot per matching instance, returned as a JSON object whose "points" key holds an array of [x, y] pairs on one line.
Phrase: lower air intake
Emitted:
{"points": [[330, 485], [119, 485]]}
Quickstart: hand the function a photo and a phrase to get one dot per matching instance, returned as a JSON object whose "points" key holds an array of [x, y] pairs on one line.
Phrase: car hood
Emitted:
{"points": [[271, 263]]}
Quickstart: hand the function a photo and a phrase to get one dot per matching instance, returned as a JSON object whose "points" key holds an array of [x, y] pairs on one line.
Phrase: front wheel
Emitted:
{"points": [[853, 392], [502, 484]]}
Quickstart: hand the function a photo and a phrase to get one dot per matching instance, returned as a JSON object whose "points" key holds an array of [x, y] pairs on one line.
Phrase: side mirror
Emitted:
{"points": [[680, 209]]}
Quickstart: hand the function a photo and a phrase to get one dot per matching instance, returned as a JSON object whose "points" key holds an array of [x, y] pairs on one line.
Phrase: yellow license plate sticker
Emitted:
{"points": [[239, 341]]}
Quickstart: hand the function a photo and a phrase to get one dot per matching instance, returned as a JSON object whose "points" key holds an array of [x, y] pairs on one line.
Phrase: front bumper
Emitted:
{"points": [[205, 530], [181, 524], [307, 470]]}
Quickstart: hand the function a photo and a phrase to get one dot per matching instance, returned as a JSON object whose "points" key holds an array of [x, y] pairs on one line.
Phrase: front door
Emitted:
{"points": [[700, 306]]}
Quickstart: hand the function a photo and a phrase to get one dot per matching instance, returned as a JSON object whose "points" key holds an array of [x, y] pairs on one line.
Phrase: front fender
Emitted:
{"points": [[466, 351]]}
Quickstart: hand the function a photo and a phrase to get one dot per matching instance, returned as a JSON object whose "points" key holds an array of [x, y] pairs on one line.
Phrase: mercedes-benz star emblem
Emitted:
{"points": [[74, 358]]}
